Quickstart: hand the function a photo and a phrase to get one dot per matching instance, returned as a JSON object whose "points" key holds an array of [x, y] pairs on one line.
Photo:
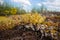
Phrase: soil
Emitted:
{"points": [[21, 34]]}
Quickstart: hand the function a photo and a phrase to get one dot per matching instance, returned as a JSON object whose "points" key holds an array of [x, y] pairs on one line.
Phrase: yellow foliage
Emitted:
{"points": [[32, 18], [10, 22], [13, 11], [49, 23], [6, 23]]}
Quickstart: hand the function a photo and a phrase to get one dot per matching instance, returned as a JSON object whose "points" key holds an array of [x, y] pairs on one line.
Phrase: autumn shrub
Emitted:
{"points": [[6, 23], [29, 18], [13, 20]]}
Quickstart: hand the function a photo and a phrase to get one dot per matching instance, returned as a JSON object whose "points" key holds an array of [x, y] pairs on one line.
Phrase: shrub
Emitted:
{"points": [[6, 23]]}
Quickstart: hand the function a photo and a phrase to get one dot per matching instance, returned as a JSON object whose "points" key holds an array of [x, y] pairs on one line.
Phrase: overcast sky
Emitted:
{"points": [[29, 4]]}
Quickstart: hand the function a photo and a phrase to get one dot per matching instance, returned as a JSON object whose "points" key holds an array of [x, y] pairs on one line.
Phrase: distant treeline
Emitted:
{"points": [[7, 9]]}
